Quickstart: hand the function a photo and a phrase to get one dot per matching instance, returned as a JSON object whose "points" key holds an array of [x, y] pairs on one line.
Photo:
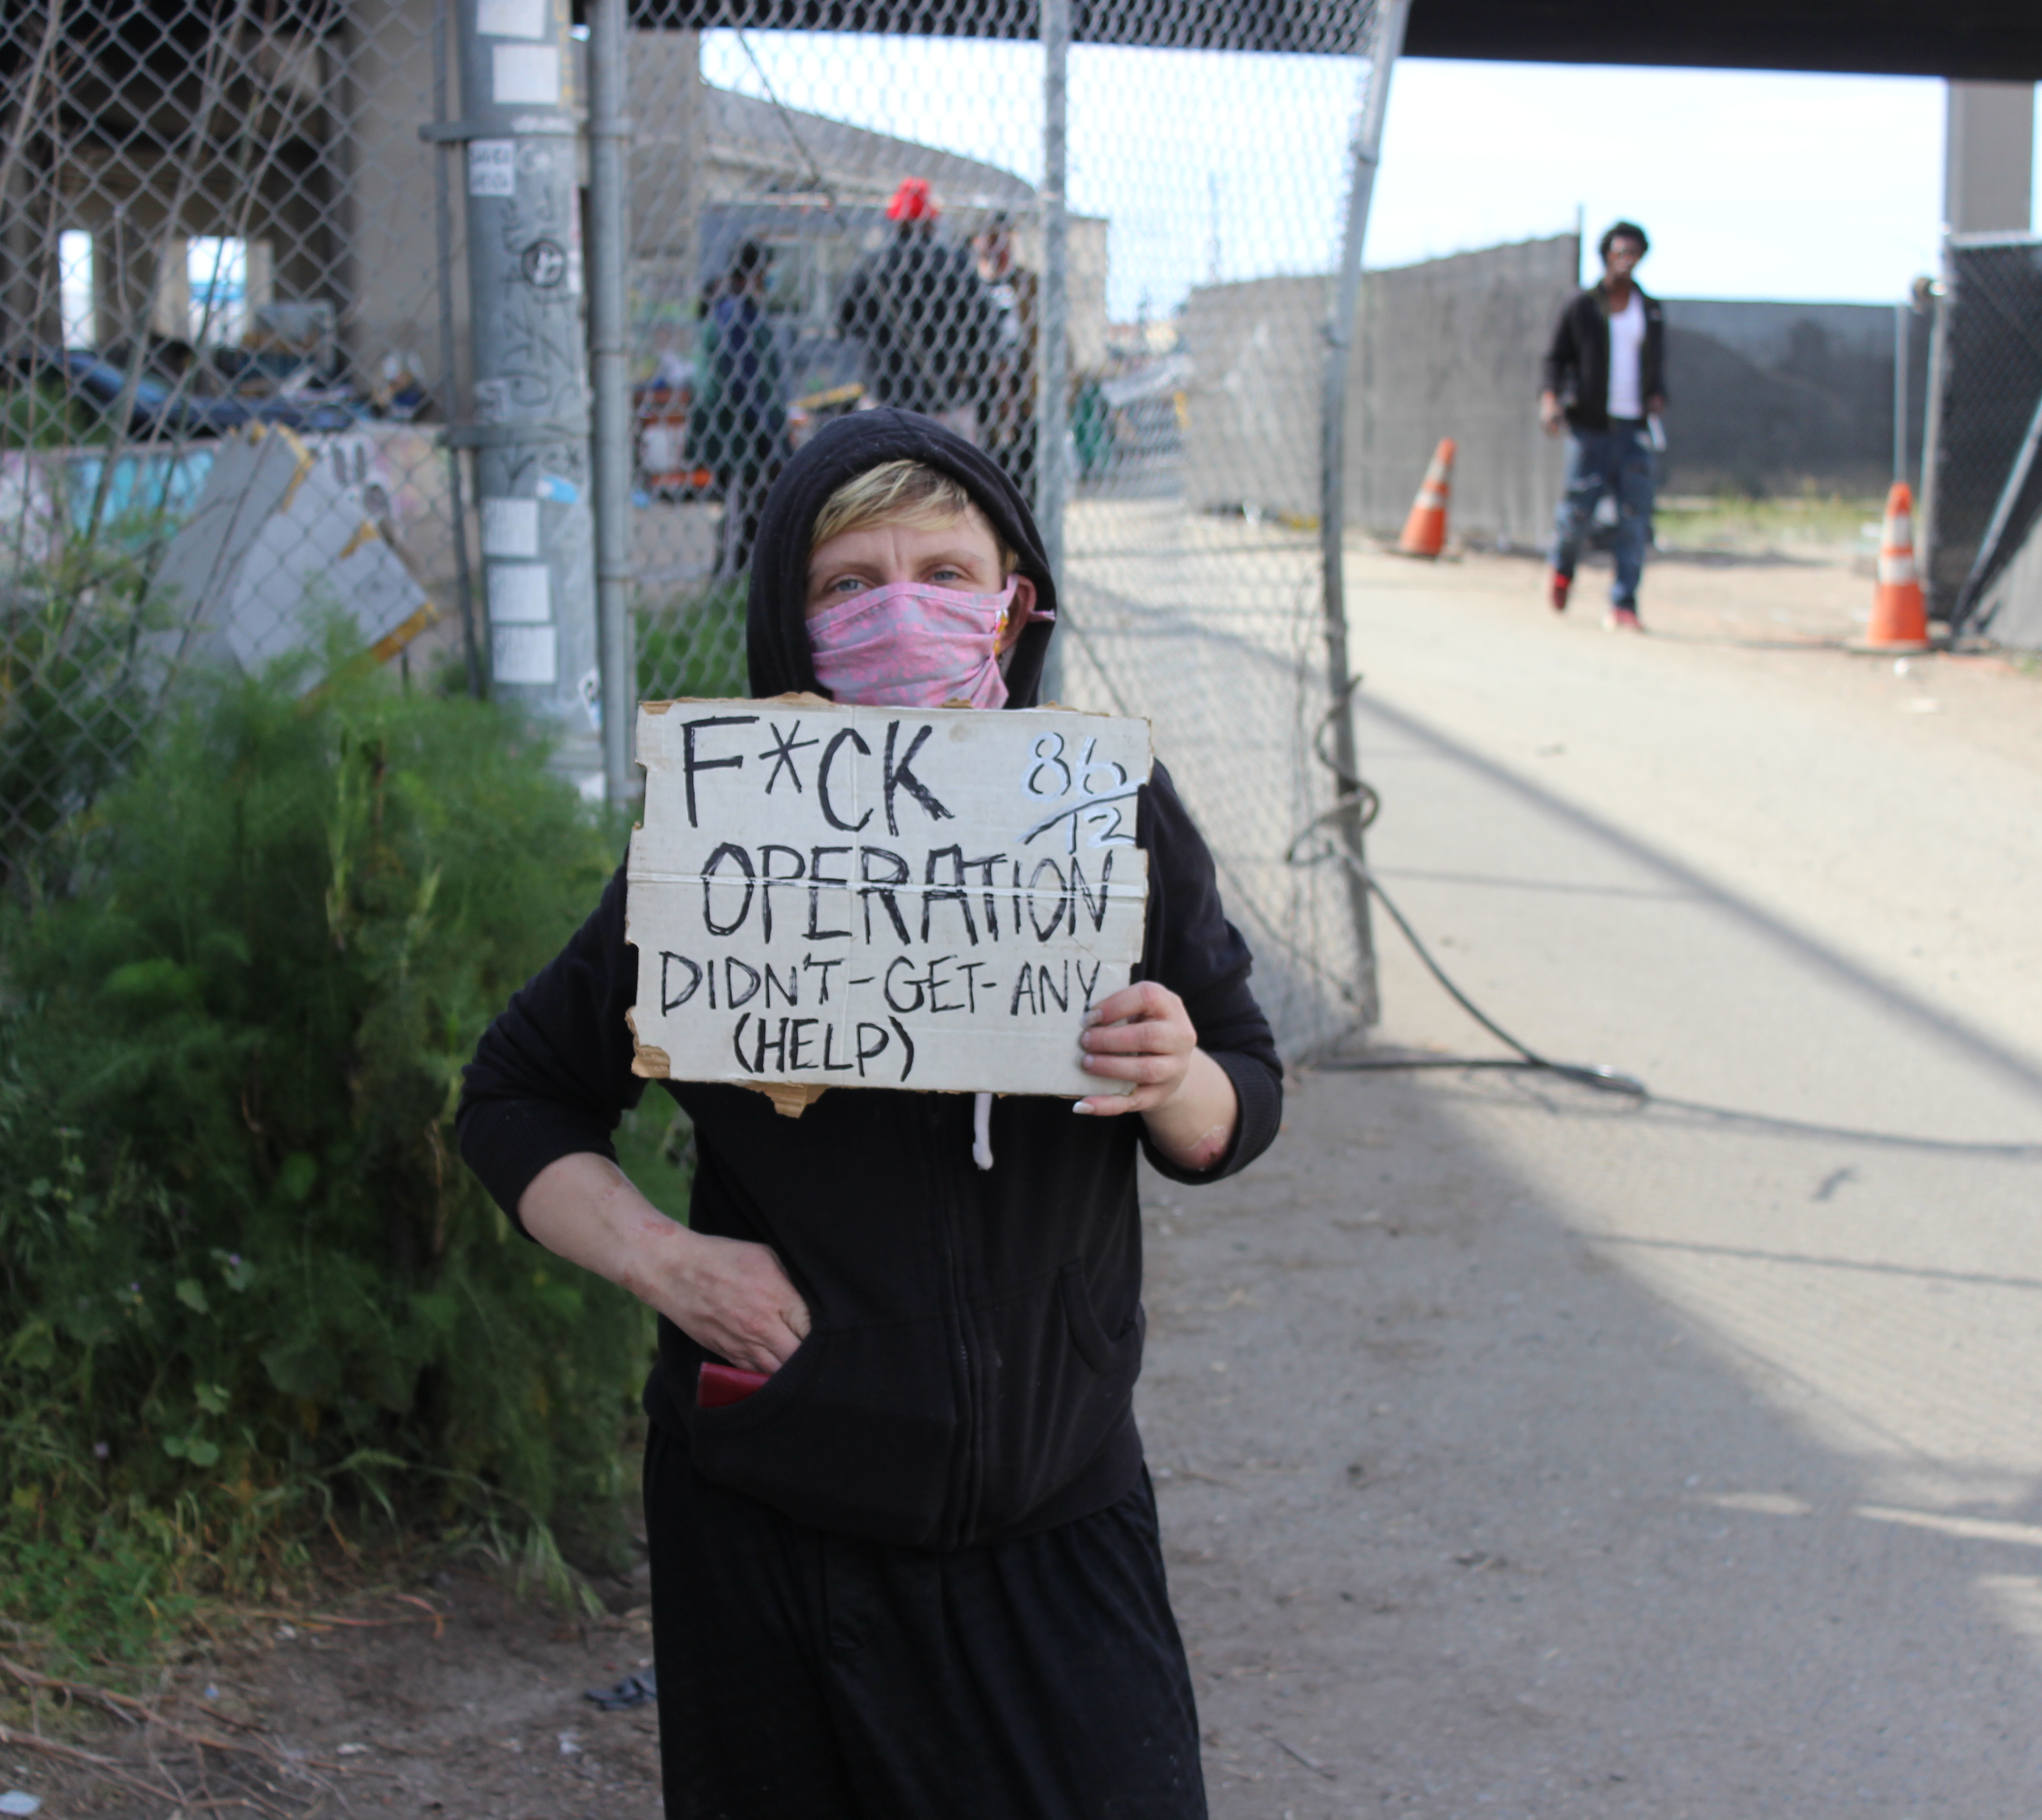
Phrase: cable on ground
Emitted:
{"points": [[1354, 798]]}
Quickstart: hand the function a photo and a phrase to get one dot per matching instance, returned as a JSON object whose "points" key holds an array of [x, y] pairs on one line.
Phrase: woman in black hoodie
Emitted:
{"points": [[916, 1575]]}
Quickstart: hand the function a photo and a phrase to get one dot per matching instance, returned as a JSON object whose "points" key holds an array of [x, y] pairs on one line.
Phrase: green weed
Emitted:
{"points": [[45, 413], [248, 1292], [79, 675], [1811, 524]]}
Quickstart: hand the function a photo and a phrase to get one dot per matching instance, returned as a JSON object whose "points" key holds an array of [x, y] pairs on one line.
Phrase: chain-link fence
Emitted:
{"points": [[254, 384], [856, 218], [220, 275], [1985, 389]]}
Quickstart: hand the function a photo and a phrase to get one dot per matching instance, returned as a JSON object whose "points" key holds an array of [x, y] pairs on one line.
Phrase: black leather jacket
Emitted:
{"points": [[1576, 369]]}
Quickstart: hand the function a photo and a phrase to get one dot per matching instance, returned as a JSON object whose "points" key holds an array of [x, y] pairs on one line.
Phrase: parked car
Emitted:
{"points": [[158, 412]]}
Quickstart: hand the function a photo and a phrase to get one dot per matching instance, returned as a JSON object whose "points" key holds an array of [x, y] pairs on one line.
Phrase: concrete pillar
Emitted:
{"points": [[1989, 158], [528, 336]]}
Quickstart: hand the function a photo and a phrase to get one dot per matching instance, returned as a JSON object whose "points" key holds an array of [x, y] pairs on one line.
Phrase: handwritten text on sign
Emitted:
{"points": [[848, 896]]}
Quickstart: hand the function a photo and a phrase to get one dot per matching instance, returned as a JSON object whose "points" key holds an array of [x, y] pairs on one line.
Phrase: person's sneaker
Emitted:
{"points": [[1622, 619], [1557, 586]]}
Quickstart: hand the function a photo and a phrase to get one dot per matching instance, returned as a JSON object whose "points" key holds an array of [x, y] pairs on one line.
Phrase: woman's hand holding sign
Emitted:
{"points": [[1142, 1034]]}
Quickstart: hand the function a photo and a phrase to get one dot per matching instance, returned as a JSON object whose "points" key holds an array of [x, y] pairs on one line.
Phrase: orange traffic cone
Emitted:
{"points": [[1899, 620], [1425, 530]]}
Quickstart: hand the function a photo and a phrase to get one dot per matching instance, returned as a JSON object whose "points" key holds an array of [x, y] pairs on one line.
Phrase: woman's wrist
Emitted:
{"points": [[1195, 1127]]}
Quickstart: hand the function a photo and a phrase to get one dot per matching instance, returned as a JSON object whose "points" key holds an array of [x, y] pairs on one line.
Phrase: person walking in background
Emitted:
{"points": [[927, 322], [1007, 405], [737, 426], [1604, 380]]}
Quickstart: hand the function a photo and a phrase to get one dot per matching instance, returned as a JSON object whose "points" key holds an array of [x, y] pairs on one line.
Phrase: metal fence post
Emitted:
{"points": [[1346, 295], [526, 328], [609, 268], [471, 644], [1053, 346], [1931, 431], [1901, 313]]}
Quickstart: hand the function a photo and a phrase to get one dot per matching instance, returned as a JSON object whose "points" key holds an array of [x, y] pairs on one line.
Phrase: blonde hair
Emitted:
{"points": [[903, 493]]}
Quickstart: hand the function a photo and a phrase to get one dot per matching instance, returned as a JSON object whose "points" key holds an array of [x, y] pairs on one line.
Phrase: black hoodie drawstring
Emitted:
{"points": [[981, 1129]]}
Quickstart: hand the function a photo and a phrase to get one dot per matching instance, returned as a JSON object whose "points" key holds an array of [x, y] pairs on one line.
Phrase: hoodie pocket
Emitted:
{"points": [[1103, 1353], [1060, 1387], [854, 1433]]}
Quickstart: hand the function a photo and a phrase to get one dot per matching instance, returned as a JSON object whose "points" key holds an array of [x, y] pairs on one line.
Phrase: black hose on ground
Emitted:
{"points": [[1352, 794]]}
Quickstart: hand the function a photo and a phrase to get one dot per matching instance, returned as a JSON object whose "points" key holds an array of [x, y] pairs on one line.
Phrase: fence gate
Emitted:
{"points": [[1983, 480]]}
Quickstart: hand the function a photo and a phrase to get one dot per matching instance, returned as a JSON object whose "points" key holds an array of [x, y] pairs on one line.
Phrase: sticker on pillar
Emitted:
{"points": [[558, 489], [510, 18], [545, 264], [526, 75], [492, 167], [522, 653], [510, 528], [520, 594], [591, 698], [492, 400]]}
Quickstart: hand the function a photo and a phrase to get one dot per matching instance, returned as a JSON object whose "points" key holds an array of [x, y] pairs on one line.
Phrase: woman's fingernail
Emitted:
{"points": [[1081, 1106]]}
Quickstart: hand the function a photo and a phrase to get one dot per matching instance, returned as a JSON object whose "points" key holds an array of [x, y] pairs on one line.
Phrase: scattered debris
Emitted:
{"points": [[1311, 1763], [633, 1690]]}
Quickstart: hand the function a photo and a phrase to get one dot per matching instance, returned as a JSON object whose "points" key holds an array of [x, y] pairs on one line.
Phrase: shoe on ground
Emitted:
{"points": [[1622, 619], [1557, 586]]}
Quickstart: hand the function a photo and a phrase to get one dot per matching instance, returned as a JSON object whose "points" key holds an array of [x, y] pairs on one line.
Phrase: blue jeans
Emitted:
{"points": [[1617, 460]]}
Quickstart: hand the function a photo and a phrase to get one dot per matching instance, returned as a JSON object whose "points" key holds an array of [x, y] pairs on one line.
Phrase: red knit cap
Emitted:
{"points": [[913, 202]]}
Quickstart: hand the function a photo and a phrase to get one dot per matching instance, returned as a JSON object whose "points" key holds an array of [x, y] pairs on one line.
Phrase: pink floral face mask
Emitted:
{"points": [[910, 645]]}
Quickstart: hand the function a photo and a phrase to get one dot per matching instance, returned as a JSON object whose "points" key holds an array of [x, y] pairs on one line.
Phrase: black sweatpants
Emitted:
{"points": [[805, 1675]]}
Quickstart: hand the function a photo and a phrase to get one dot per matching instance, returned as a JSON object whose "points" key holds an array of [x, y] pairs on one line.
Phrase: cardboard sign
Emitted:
{"points": [[829, 895]]}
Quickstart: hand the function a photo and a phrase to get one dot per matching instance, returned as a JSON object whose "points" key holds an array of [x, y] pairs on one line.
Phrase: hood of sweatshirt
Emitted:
{"points": [[776, 617]]}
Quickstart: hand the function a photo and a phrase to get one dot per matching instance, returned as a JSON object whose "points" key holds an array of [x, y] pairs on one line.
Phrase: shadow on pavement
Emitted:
{"points": [[1467, 1515]]}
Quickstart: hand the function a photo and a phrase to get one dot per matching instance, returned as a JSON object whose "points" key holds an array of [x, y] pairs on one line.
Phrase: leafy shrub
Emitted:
{"points": [[79, 673], [244, 1278]]}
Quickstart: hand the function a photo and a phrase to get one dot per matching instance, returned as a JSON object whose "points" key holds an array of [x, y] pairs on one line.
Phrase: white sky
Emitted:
{"points": [[1751, 184]]}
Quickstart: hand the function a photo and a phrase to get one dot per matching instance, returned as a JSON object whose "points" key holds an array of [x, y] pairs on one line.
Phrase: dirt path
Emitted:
{"points": [[475, 1715], [1539, 1453]]}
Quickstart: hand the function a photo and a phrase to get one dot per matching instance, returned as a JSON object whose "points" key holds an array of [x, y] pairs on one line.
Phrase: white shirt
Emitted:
{"points": [[1626, 350]]}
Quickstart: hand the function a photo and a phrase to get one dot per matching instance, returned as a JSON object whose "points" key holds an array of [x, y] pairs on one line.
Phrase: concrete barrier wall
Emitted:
{"points": [[1451, 348], [1766, 397], [1448, 348], [1252, 405], [2012, 609]]}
